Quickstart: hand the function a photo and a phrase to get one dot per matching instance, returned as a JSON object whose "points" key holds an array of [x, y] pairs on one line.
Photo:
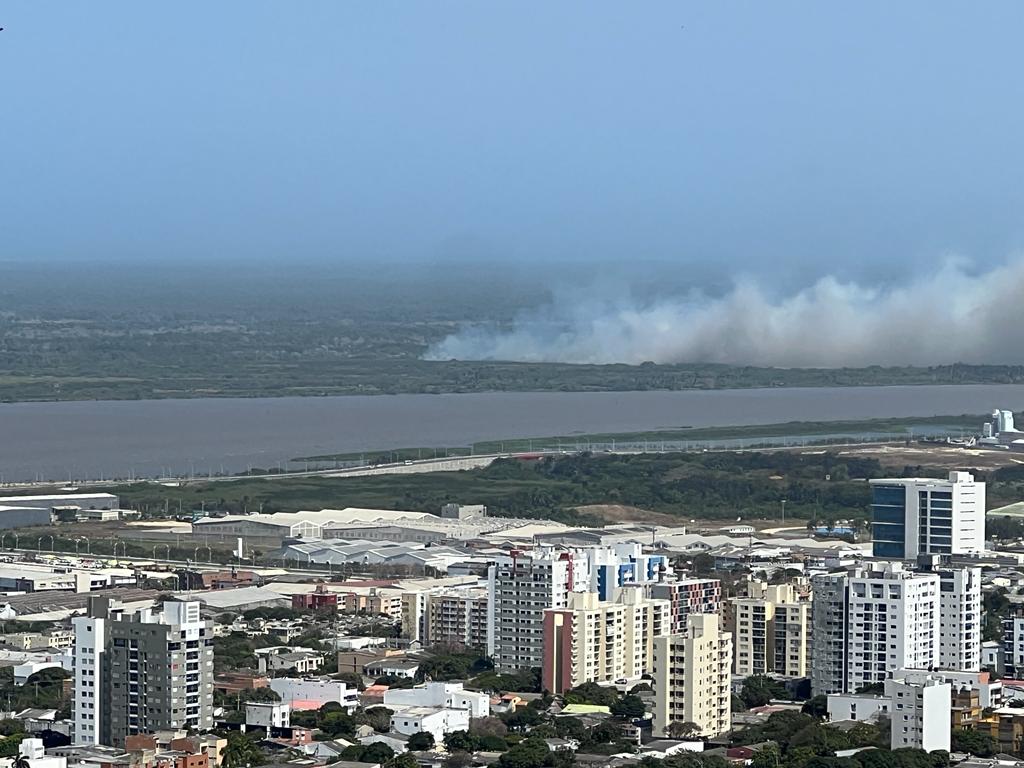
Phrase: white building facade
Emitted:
{"points": [[90, 645], [870, 621], [318, 691], [960, 624], [521, 585], [920, 705]]}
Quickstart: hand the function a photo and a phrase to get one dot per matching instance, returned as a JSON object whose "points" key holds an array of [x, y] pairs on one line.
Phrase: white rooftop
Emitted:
{"points": [[324, 516], [62, 496]]}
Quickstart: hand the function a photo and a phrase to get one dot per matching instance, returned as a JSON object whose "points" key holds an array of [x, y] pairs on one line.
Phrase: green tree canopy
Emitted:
{"points": [[419, 742]]}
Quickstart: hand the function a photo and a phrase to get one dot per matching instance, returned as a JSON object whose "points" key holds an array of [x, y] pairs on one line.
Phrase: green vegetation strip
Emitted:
{"points": [[897, 427], [722, 485]]}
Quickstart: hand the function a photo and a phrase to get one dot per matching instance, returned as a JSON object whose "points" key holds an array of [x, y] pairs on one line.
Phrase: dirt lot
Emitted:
{"points": [[944, 456], [620, 513], [610, 514]]}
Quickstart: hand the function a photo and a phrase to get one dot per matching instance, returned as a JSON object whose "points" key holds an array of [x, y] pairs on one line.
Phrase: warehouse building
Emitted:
{"points": [[23, 517], [82, 500], [297, 525]]}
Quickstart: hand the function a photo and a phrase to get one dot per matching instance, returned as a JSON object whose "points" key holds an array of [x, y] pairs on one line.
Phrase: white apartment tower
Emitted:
{"points": [[960, 621], [691, 677], [521, 585], [925, 516], [871, 621], [90, 644]]}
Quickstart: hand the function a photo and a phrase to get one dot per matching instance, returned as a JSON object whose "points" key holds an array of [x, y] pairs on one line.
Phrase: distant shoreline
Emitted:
{"points": [[405, 376]]}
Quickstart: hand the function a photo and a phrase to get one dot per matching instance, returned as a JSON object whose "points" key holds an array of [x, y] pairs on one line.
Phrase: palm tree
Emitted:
{"points": [[20, 762]]}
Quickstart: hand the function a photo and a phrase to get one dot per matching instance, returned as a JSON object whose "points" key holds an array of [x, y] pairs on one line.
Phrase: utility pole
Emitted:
{"points": [[783, 511]]}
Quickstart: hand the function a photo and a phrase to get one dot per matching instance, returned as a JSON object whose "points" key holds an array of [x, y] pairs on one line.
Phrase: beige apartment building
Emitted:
{"points": [[594, 640], [771, 630], [691, 677], [456, 616]]}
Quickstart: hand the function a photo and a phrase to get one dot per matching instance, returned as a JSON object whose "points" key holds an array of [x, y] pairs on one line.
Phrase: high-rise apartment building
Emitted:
{"points": [[456, 616], [960, 622], [691, 677], [870, 621], [689, 595], [828, 633], [915, 516], [141, 672], [595, 640], [521, 585], [771, 629]]}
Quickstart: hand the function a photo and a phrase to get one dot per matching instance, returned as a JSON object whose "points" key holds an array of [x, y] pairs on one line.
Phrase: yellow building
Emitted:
{"points": [[691, 677]]}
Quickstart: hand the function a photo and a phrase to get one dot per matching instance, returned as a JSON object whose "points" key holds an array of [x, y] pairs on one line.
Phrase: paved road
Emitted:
{"points": [[449, 464]]}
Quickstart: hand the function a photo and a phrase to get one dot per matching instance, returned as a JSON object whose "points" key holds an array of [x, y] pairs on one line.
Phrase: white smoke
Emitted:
{"points": [[945, 317]]}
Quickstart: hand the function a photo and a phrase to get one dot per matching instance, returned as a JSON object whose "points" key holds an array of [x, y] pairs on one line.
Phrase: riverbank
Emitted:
{"points": [[788, 433], [82, 441]]}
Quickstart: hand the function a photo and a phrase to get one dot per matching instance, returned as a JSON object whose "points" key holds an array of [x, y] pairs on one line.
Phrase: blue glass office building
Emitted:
{"points": [[889, 521]]}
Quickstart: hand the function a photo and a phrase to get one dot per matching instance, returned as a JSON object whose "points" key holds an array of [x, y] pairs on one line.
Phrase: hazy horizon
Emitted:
{"points": [[655, 169]]}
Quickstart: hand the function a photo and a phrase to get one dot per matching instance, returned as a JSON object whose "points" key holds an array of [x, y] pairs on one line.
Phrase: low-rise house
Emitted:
{"points": [[393, 667], [507, 702], [60, 638], [317, 600], [327, 750], [562, 745], [313, 693], [439, 694], [357, 660], [1006, 727], [267, 715], [399, 742], [436, 721], [373, 695], [302, 660], [25, 641], [38, 662], [242, 680]]}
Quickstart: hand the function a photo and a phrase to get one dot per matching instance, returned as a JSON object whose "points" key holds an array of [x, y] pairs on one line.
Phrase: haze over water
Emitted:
{"points": [[84, 440]]}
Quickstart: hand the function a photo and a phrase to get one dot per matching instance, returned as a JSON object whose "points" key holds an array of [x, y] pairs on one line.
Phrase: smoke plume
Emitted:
{"points": [[950, 315]]}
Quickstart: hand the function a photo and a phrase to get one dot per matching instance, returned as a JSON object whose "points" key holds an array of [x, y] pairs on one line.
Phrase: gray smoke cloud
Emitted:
{"points": [[950, 315]]}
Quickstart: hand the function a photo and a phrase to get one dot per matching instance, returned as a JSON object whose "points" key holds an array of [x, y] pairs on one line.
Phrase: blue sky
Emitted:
{"points": [[793, 136]]}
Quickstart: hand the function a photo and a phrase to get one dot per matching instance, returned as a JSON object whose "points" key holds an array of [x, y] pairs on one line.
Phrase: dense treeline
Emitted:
{"points": [[823, 486], [687, 484]]}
